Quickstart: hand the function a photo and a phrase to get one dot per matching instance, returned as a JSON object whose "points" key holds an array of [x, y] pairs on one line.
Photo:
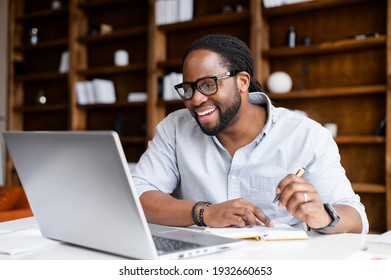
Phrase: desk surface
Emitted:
{"points": [[318, 247]]}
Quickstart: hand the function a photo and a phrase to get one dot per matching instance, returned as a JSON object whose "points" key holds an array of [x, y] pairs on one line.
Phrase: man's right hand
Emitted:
{"points": [[237, 212]]}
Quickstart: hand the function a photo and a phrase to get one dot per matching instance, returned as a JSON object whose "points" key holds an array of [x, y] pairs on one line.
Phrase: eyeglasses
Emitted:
{"points": [[207, 86]]}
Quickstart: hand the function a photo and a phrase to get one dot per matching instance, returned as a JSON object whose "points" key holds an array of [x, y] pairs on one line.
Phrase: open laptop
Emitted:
{"points": [[81, 191]]}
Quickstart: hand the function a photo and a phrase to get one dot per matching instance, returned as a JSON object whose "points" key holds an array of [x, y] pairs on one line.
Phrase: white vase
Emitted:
{"points": [[121, 58], [279, 82]]}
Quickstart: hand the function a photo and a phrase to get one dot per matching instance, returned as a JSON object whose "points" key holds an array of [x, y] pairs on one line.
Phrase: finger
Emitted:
{"points": [[246, 215], [238, 221], [251, 216], [291, 189], [297, 200], [288, 180], [262, 218]]}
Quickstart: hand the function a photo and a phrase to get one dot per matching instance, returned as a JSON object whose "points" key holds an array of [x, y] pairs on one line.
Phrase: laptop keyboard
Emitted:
{"points": [[165, 245]]}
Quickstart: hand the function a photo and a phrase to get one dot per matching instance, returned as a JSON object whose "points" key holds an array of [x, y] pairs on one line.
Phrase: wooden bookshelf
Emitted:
{"points": [[343, 78], [337, 78]]}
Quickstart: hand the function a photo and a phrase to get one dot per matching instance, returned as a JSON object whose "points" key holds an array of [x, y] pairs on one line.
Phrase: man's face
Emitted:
{"points": [[216, 112]]}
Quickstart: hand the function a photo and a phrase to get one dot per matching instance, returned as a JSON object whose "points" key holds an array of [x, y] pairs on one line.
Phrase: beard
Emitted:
{"points": [[226, 117]]}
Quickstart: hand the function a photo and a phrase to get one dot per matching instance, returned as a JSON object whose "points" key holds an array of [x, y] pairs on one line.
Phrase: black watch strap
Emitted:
{"points": [[334, 218]]}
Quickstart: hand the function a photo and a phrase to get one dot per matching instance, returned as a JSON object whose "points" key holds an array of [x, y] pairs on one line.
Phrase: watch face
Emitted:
{"points": [[334, 218], [330, 210]]}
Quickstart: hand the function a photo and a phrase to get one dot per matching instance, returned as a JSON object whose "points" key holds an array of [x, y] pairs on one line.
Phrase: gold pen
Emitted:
{"points": [[298, 174]]}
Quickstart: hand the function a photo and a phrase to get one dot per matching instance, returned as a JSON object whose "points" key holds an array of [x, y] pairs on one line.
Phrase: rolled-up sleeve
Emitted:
{"points": [[157, 167]]}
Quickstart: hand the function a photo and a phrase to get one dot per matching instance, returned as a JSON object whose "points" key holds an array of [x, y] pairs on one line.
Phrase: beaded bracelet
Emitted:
{"points": [[201, 215], [194, 212]]}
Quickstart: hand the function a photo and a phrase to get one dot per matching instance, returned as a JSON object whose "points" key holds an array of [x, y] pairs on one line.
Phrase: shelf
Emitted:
{"points": [[120, 104], [97, 4], [171, 102], [355, 139], [44, 14], [307, 6], [41, 76], [205, 21], [41, 108], [133, 139], [331, 92], [343, 45], [177, 63], [44, 45], [368, 188], [104, 70], [115, 35]]}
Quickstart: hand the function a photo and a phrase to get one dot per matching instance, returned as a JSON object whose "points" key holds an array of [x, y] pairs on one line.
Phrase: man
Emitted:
{"points": [[231, 152]]}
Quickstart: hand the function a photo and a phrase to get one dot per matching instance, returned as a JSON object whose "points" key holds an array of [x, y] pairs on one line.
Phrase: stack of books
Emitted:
{"points": [[276, 3], [95, 91], [137, 97], [171, 11]]}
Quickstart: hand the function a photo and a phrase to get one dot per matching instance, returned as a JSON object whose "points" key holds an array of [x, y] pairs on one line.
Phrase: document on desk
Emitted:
{"points": [[23, 241], [260, 232], [380, 244]]}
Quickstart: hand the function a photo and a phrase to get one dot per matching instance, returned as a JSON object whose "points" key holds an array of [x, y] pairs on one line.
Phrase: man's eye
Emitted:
{"points": [[208, 86]]}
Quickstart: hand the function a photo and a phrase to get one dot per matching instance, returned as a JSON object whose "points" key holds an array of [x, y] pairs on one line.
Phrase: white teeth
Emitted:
{"points": [[206, 112]]}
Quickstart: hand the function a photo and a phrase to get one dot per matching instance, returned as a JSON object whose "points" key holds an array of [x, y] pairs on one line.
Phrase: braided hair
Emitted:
{"points": [[234, 54]]}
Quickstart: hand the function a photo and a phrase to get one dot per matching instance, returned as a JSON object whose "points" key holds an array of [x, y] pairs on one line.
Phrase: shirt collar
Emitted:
{"points": [[261, 98]]}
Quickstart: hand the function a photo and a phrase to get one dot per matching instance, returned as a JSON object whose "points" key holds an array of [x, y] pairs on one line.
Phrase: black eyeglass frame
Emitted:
{"points": [[194, 85]]}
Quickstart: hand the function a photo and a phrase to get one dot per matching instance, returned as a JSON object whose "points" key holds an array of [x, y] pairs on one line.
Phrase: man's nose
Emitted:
{"points": [[198, 98]]}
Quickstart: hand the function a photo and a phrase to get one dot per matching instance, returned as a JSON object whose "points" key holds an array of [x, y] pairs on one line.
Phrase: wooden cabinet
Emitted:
{"points": [[126, 24], [38, 90], [339, 76], [76, 27]]}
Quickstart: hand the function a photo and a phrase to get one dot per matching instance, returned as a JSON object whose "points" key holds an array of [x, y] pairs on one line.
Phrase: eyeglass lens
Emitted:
{"points": [[206, 86]]}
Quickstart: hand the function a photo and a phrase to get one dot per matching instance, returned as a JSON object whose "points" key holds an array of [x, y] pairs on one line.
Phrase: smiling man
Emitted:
{"points": [[230, 152]]}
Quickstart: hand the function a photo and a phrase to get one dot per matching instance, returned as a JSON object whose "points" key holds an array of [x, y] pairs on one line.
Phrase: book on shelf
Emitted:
{"points": [[95, 91], [171, 11], [84, 93], [261, 232], [104, 91], [64, 63], [277, 3], [89, 92], [137, 97], [185, 10], [169, 81]]}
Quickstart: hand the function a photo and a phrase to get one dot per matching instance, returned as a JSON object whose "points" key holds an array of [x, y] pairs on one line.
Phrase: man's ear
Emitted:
{"points": [[243, 81]]}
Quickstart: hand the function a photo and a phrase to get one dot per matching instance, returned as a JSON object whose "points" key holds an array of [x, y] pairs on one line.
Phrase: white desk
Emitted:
{"points": [[318, 247]]}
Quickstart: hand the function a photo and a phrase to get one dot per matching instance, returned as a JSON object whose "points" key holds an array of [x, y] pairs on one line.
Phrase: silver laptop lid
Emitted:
{"points": [[78, 186]]}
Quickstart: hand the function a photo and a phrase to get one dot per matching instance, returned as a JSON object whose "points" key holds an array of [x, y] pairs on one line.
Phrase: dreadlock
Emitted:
{"points": [[234, 54]]}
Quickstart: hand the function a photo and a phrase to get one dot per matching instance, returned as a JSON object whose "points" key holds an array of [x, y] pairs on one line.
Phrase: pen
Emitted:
{"points": [[298, 174]]}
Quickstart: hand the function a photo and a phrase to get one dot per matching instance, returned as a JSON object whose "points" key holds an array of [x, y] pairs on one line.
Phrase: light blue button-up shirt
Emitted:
{"points": [[181, 157]]}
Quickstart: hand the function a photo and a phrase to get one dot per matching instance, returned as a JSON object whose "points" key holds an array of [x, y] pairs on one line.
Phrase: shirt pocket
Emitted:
{"points": [[262, 194]]}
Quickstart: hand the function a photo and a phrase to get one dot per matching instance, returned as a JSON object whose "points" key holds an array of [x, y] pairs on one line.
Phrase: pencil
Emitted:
{"points": [[298, 174]]}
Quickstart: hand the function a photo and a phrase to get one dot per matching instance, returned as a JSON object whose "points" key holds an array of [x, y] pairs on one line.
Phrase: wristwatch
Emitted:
{"points": [[334, 218]]}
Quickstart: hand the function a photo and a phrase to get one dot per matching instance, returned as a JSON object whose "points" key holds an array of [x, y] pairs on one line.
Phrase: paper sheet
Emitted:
{"points": [[23, 241]]}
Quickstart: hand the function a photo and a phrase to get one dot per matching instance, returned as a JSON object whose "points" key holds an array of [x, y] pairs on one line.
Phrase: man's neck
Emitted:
{"points": [[245, 129]]}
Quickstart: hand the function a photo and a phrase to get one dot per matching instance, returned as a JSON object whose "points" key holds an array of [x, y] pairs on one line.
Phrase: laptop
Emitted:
{"points": [[81, 192]]}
